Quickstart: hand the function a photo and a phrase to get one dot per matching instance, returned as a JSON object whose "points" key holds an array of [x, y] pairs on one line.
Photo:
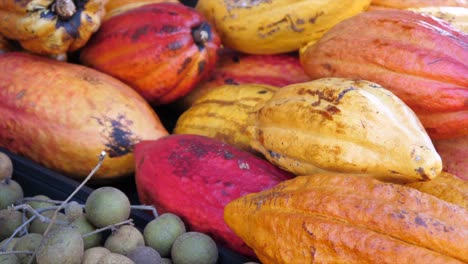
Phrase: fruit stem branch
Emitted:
{"points": [[27, 207], [62, 205], [16, 252], [18, 230], [32, 199], [114, 226], [101, 158], [146, 207]]}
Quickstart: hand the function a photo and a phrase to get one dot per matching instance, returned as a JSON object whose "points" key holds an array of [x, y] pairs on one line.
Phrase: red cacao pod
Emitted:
{"points": [[196, 176], [162, 50], [421, 59], [239, 68]]}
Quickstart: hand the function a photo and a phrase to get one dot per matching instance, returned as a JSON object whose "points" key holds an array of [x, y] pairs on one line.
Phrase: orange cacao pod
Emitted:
{"points": [[343, 218], [423, 60], [162, 50], [63, 115]]}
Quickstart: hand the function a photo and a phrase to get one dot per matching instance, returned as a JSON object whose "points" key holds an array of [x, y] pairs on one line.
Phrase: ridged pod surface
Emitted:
{"points": [[115, 7], [51, 27], [333, 218], [447, 187], [271, 27], [235, 68], [195, 176], [454, 153], [223, 112], [162, 50], [422, 60], [343, 125], [63, 115]]}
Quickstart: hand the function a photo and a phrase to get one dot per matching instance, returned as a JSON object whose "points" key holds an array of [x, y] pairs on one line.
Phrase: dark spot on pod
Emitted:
{"points": [[174, 45], [228, 155], [184, 65], [141, 31], [262, 92], [342, 93], [423, 174], [230, 81], [169, 29], [197, 150], [419, 221], [120, 139], [274, 154], [314, 18], [332, 109], [201, 66]]}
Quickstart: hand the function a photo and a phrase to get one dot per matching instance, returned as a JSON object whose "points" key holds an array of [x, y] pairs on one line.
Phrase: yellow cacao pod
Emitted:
{"points": [[223, 112], [271, 27], [343, 125], [342, 218]]}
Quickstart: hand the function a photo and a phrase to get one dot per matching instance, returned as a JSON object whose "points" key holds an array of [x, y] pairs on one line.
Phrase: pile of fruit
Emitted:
{"points": [[286, 131], [44, 231]]}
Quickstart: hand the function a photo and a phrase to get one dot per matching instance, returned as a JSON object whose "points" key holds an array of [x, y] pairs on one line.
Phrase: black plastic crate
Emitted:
{"points": [[36, 179]]}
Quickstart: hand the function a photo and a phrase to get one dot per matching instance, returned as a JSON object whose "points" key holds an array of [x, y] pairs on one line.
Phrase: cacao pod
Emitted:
{"points": [[271, 27], [161, 50], [419, 58], [455, 16], [115, 7], [454, 153], [403, 4], [342, 218], [51, 27], [196, 176], [63, 115], [343, 125], [223, 112], [447, 187], [235, 68]]}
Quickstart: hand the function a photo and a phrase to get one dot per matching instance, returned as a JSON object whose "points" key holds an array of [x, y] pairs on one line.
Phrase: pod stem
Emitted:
{"points": [[64, 8]]}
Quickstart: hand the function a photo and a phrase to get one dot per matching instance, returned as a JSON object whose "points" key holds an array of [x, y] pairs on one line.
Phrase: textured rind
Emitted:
{"points": [[116, 7], [343, 125], [40, 30], [223, 113], [234, 68], [196, 176], [63, 115], [447, 187], [419, 58], [152, 49], [454, 153], [333, 218], [272, 27]]}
